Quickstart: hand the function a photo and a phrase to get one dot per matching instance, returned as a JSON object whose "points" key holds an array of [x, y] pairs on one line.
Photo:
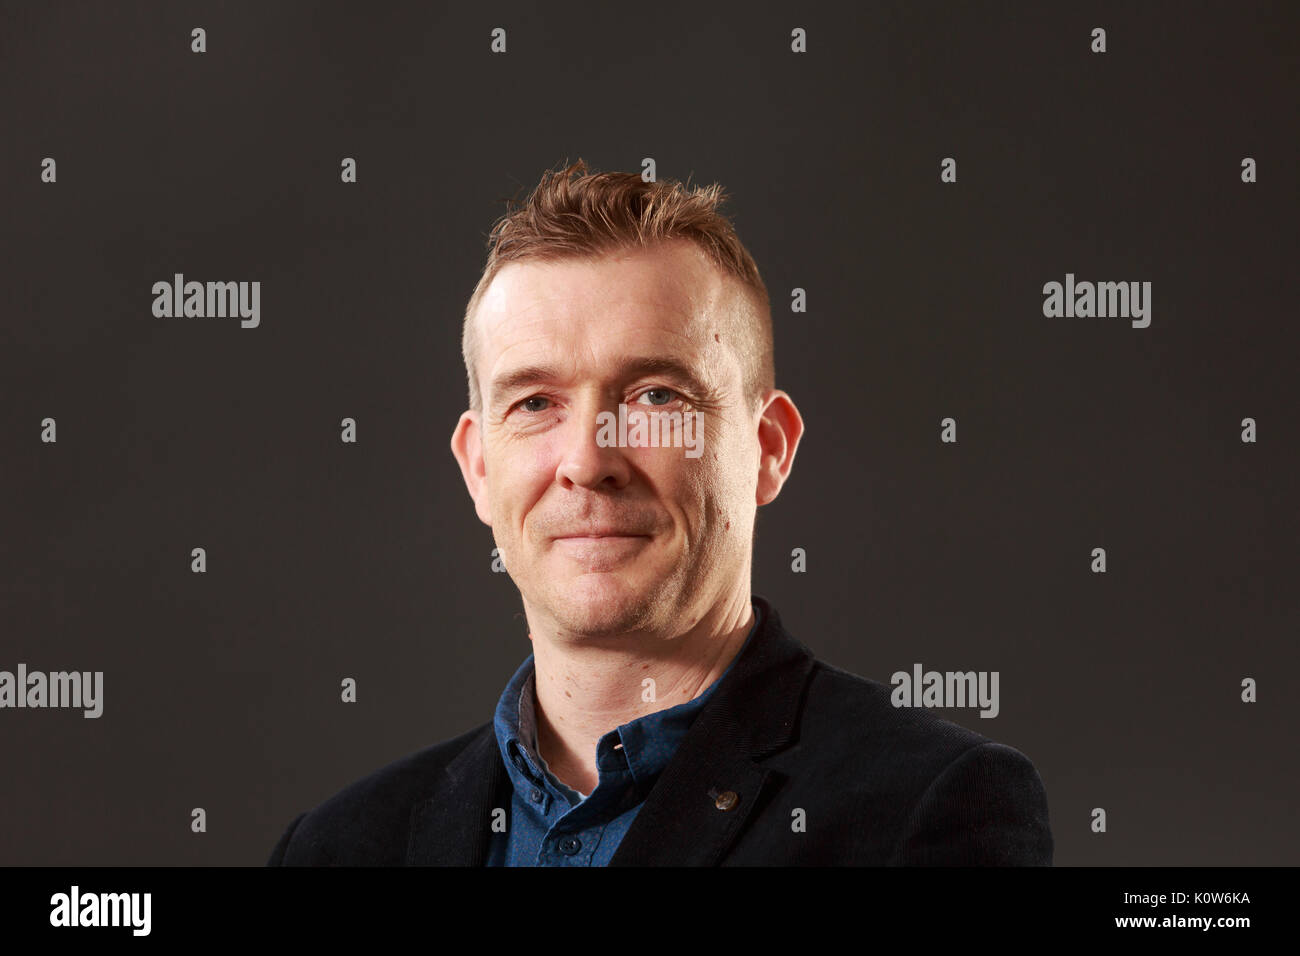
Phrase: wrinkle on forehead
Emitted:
{"points": [[682, 295]]}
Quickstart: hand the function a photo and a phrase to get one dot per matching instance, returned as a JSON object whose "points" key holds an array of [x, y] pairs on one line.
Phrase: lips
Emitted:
{"points": [[596, 552], [603, 533]]}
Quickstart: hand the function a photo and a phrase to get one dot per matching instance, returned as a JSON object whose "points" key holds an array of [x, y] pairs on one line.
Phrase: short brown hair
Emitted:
{"points": [[599, 213]]}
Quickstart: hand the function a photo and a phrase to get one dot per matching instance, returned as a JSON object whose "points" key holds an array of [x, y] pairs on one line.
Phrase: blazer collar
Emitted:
{"points": [[703, 797]]}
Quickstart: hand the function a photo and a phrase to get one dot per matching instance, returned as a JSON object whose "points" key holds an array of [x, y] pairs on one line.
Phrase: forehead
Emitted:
{"points": [[670, 297]]}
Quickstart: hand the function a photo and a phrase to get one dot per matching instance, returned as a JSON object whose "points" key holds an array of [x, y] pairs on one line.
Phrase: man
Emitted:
{"points": [[665, 716]]}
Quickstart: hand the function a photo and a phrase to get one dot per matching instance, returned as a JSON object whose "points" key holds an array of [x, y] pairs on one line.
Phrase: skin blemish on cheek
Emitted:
{"points": [[728, 525], [715, 337]]}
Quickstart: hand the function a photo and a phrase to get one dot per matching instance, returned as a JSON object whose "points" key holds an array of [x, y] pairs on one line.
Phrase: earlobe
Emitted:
{"points": [[779, 429], [467, 447], [769, 480]]}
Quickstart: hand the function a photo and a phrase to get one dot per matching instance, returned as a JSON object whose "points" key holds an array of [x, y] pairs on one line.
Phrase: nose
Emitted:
{"points": [[584, 460]]}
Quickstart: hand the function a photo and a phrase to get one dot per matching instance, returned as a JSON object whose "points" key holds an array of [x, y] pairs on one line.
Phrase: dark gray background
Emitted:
{"points": [[328, 560]]}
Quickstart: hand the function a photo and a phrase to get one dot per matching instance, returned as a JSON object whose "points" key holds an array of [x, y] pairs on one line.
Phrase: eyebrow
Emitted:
{"points": [[509, 382]]}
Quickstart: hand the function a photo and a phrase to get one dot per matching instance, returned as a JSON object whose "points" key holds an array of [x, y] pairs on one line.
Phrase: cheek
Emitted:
{"points": [[525, 459], [539, 460], [700, 492], [730, 479], [519, 476]]}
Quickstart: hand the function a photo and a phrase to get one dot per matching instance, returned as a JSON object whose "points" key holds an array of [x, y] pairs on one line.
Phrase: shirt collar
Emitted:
{"points": [[646, 743]]}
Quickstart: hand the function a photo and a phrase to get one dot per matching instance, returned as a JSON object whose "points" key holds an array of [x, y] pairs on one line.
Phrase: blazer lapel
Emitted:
{"points": [[701, 801], [453, 826], [682, 822], [709, 789]]}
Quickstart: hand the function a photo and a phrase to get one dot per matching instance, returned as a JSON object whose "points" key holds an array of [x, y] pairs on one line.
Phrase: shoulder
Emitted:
{"points": [[840, 714], [950, 795], [367, 823], [859, 711]]}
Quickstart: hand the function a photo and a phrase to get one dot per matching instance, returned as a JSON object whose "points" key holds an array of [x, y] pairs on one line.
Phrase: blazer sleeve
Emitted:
{"points": [[277, 855], [987, 808]]}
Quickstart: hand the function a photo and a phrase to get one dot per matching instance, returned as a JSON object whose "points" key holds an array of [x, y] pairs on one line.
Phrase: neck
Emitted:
{"points": [[585, 690]]}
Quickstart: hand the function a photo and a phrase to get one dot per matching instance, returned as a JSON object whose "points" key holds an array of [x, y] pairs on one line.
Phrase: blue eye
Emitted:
{"points": [[534, 398], [665, 391]]}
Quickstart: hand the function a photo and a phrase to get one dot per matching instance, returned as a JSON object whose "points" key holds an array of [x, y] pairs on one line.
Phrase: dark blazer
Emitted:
{"points": [[783, 733]]}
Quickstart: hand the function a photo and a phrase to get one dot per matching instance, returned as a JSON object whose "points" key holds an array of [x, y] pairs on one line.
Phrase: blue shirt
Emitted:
{"points": [[551, 824]]}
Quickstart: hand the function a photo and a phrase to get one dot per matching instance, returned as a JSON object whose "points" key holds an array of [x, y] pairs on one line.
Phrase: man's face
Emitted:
{"points": [[607, 540]]}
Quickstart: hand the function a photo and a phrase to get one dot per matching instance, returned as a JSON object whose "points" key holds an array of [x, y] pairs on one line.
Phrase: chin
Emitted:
{"points": [[603, 603]]}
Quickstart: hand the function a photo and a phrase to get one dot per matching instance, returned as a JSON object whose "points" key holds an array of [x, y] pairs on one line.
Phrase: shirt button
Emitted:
{"points": [[535, 795], [570, 845], [726, 800]]}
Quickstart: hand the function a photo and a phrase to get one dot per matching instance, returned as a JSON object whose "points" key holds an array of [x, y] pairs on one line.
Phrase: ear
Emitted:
{"points": [[779, 429], [467, 446]]}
